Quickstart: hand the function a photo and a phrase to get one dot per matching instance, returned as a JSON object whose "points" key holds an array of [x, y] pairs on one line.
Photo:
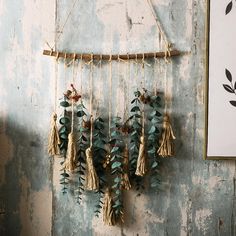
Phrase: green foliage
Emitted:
{"points": [[99, 154], [136, 129], [153, 140], [63, 134], [117, 148], [83, 144]]}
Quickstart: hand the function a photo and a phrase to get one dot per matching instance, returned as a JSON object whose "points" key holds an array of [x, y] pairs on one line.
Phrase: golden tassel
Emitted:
{"points": [[54, 139], [125, 176], [141, 162], [108, 213], [91, 180], [70, 163], [166, 148]]}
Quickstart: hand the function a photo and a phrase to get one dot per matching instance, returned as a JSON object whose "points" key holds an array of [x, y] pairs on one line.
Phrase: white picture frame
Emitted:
{"points": [[220, 94]]}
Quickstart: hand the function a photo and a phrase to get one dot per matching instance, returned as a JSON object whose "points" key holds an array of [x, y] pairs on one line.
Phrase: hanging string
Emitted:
{"points": [[162, 33], [166, 88], [70, 163], [100, 79], [73, 101], [91, 178], [65, 66], [56, 83], [110, 94], [155, 72], [81, 75], [144, 87], [126, 91], [53, 138], [141, 168], [91, 100], [136, 67]]}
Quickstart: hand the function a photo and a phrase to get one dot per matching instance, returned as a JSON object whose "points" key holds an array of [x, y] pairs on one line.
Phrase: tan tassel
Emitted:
{"points": [[54, 139], [70, 163], [141, 162], [125, 176], [91, 180], [166, 148], [108, 213]]}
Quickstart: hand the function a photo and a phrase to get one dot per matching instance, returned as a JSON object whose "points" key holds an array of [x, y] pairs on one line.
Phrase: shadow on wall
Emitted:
{"points": [[22, 168]]}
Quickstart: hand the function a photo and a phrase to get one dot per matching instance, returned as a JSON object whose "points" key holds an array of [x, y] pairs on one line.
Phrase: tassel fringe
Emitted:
{"points": [[141, 162], [54, 139], [108, 213], [70, 163], [166, 148], [91, 181]]}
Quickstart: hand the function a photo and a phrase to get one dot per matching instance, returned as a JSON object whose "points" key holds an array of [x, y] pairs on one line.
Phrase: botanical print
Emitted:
{"points": [[230, 88], [221, 80]]}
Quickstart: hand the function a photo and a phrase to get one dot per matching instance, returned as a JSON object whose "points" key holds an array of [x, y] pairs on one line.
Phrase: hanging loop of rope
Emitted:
{"points": [[91, 100], [162, 33], [110, 88]]}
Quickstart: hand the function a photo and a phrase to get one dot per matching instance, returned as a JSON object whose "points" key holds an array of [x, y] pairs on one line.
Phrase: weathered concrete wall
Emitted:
{"points": [[25, 190], [198, 197]]}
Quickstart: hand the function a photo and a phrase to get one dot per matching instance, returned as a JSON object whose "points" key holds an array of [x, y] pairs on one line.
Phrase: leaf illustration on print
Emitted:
{"points": [[233, 103], [229, 8], [230, 88], [228, 75]]}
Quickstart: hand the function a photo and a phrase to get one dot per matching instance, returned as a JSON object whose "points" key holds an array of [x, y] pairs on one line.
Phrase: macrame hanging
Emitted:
{"points": [[141, 142], [91, 178], [54, 139]]}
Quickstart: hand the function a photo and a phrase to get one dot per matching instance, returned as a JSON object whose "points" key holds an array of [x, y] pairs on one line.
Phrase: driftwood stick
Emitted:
{"points": [[88, 57]]}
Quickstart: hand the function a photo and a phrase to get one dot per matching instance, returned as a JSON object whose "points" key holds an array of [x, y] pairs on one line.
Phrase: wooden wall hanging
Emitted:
{"points": [[110, 155]]}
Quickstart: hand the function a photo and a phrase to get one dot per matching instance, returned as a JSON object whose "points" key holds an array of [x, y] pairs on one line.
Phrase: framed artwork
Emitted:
{"points": [[220, 122]]}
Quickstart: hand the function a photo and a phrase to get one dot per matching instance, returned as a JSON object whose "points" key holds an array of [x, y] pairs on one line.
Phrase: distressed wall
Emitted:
{"points": [[197, 197]]}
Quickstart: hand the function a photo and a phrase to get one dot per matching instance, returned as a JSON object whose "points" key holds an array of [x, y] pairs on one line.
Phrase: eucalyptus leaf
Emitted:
{"points": [[63, 129], [63, 136], [80, 106], [117, 179], [65, 174], [154, 164], [64, 120], [114, 149], [116, 164], [81, 113], [152, 130], [152, 151], [135, 109], [64, 104], [137, 93]]}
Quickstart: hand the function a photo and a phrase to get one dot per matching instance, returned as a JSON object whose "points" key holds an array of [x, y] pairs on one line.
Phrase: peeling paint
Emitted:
{"points": [[196, 197], [202, 220]]}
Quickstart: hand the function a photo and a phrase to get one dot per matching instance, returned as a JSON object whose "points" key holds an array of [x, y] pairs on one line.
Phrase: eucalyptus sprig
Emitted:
{"points": [[117, 148], [135, 134], [153, 138], [99, 152], [63, 134], [83, 143]]}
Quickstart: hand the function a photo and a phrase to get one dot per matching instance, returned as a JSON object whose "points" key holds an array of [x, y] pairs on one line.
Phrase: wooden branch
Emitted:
{"points": [[88, 57]]}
